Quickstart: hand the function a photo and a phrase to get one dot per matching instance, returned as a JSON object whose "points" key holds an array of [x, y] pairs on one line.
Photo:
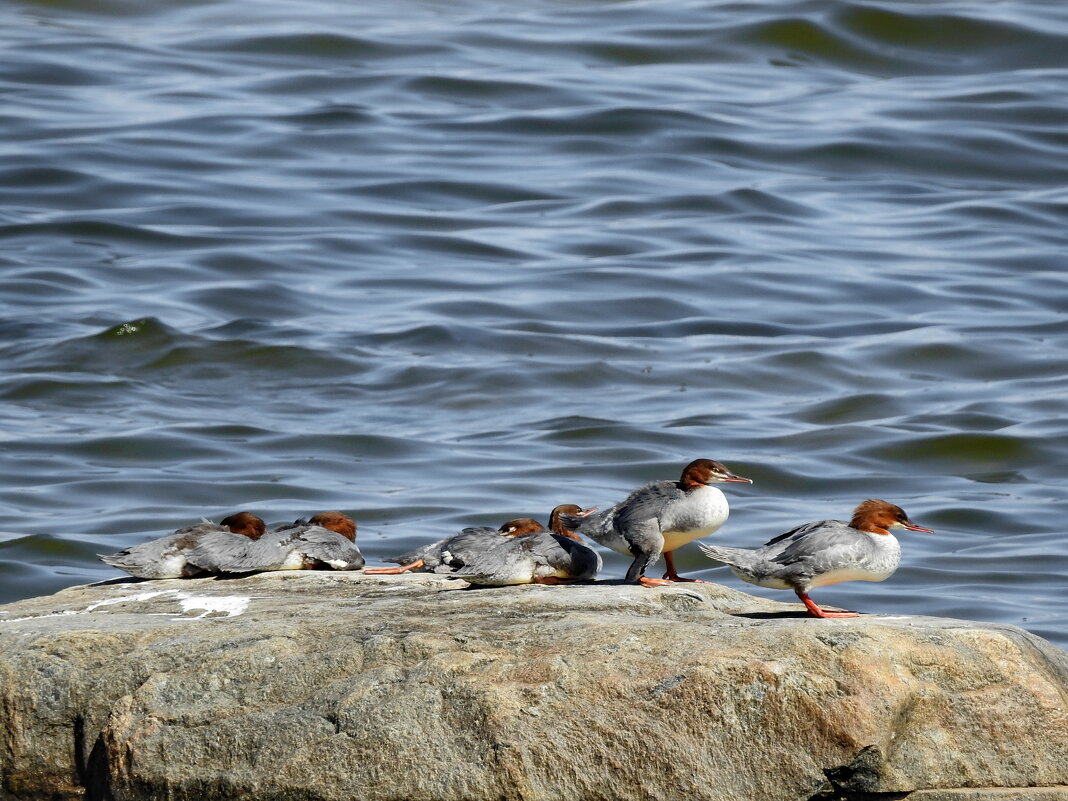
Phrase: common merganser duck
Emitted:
{"points": [[825, 552], [337, 522], [452, 553], [327, 540], [660, 517], [557, 556], [168, 557]]}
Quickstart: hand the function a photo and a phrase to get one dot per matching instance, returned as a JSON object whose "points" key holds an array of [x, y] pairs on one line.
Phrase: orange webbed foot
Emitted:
{"points": [[651, 582], [830, 613], [677, 577], [393, 571], [672, 574], [815, 610]]}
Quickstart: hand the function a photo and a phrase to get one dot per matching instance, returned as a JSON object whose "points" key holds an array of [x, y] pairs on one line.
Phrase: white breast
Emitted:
{"points": [[172, 565], [697, 514], [294, 561]]}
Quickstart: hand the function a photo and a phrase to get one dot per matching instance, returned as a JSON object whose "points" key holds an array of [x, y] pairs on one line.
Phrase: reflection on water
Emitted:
{"points": [[441, 265]]}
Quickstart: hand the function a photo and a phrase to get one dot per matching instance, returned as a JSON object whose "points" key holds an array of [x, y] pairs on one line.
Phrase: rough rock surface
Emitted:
{"points": [[318, 685]]}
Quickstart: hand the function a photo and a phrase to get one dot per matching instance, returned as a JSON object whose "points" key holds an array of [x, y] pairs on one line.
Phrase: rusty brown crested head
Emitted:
{"points": [[520, 526], [556, 524], [878, 517], [245, 523], [702, 472], [337, 522]]}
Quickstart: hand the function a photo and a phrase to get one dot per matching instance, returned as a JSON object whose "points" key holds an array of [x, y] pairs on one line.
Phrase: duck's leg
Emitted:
{"points": [[636, 573], [814, 609], [393, 571], [646, 543], [672, 574]]}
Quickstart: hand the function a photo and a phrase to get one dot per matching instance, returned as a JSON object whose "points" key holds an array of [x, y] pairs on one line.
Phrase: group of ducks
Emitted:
{"points": [[241, 543], [654, 519]]}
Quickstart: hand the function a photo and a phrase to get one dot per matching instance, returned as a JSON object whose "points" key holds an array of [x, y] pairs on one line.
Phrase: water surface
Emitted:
{"points": [[447, 263]]}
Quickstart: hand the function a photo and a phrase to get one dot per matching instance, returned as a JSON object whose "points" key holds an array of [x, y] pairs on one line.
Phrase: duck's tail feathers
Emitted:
{"points": [[128, 563], [737, 557], [113, 559]]}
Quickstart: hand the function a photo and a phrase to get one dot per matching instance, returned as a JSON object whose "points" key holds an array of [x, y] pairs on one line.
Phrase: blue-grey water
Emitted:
{"points": [[447, 262]]}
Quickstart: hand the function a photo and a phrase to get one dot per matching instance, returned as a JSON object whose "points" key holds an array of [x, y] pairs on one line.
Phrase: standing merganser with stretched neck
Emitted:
{"points": [[660, 517], [825, 552]]}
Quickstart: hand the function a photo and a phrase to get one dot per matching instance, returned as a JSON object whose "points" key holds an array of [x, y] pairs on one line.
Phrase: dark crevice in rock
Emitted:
{"points": [[91, 770], [79, 749], [843, 795], [332, 718], [859, 780]]}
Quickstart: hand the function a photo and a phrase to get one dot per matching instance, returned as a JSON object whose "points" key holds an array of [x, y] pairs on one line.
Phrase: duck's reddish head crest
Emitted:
{"points": [[520, 526], [556, 524], [878, 517], [245, 523], [702, 472], [336, 522]]}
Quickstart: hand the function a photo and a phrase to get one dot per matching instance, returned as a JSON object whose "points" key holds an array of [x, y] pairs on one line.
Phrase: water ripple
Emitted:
{"points": [[440, 266]]}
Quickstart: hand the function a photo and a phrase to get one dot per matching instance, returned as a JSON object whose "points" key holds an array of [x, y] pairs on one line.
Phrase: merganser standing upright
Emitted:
{"points": [[168, 557], [825, 552], [557, 556], [660, 517]]}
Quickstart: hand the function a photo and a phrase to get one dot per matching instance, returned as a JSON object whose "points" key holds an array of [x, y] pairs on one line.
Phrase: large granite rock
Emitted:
{"points": [[318, 685]]}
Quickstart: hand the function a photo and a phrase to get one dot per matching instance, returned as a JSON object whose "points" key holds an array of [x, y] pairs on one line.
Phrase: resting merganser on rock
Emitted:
{"points": [[168, 557], [452, 553], [825, 552], [327, 540], [337, 522], [660, 517], [557, 556]]}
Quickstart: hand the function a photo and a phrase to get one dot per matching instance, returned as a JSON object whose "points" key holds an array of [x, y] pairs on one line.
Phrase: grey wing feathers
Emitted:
{"points": [[520, 560], [642, 504], [461, 549], [811, 539], [646, 502], [225, 552], [329, 548], [233, 553], [422, 552], [802, 530], [502, 561], [828, 550], [431, 554], [499, 569], [163, 557], [140, 561]]}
